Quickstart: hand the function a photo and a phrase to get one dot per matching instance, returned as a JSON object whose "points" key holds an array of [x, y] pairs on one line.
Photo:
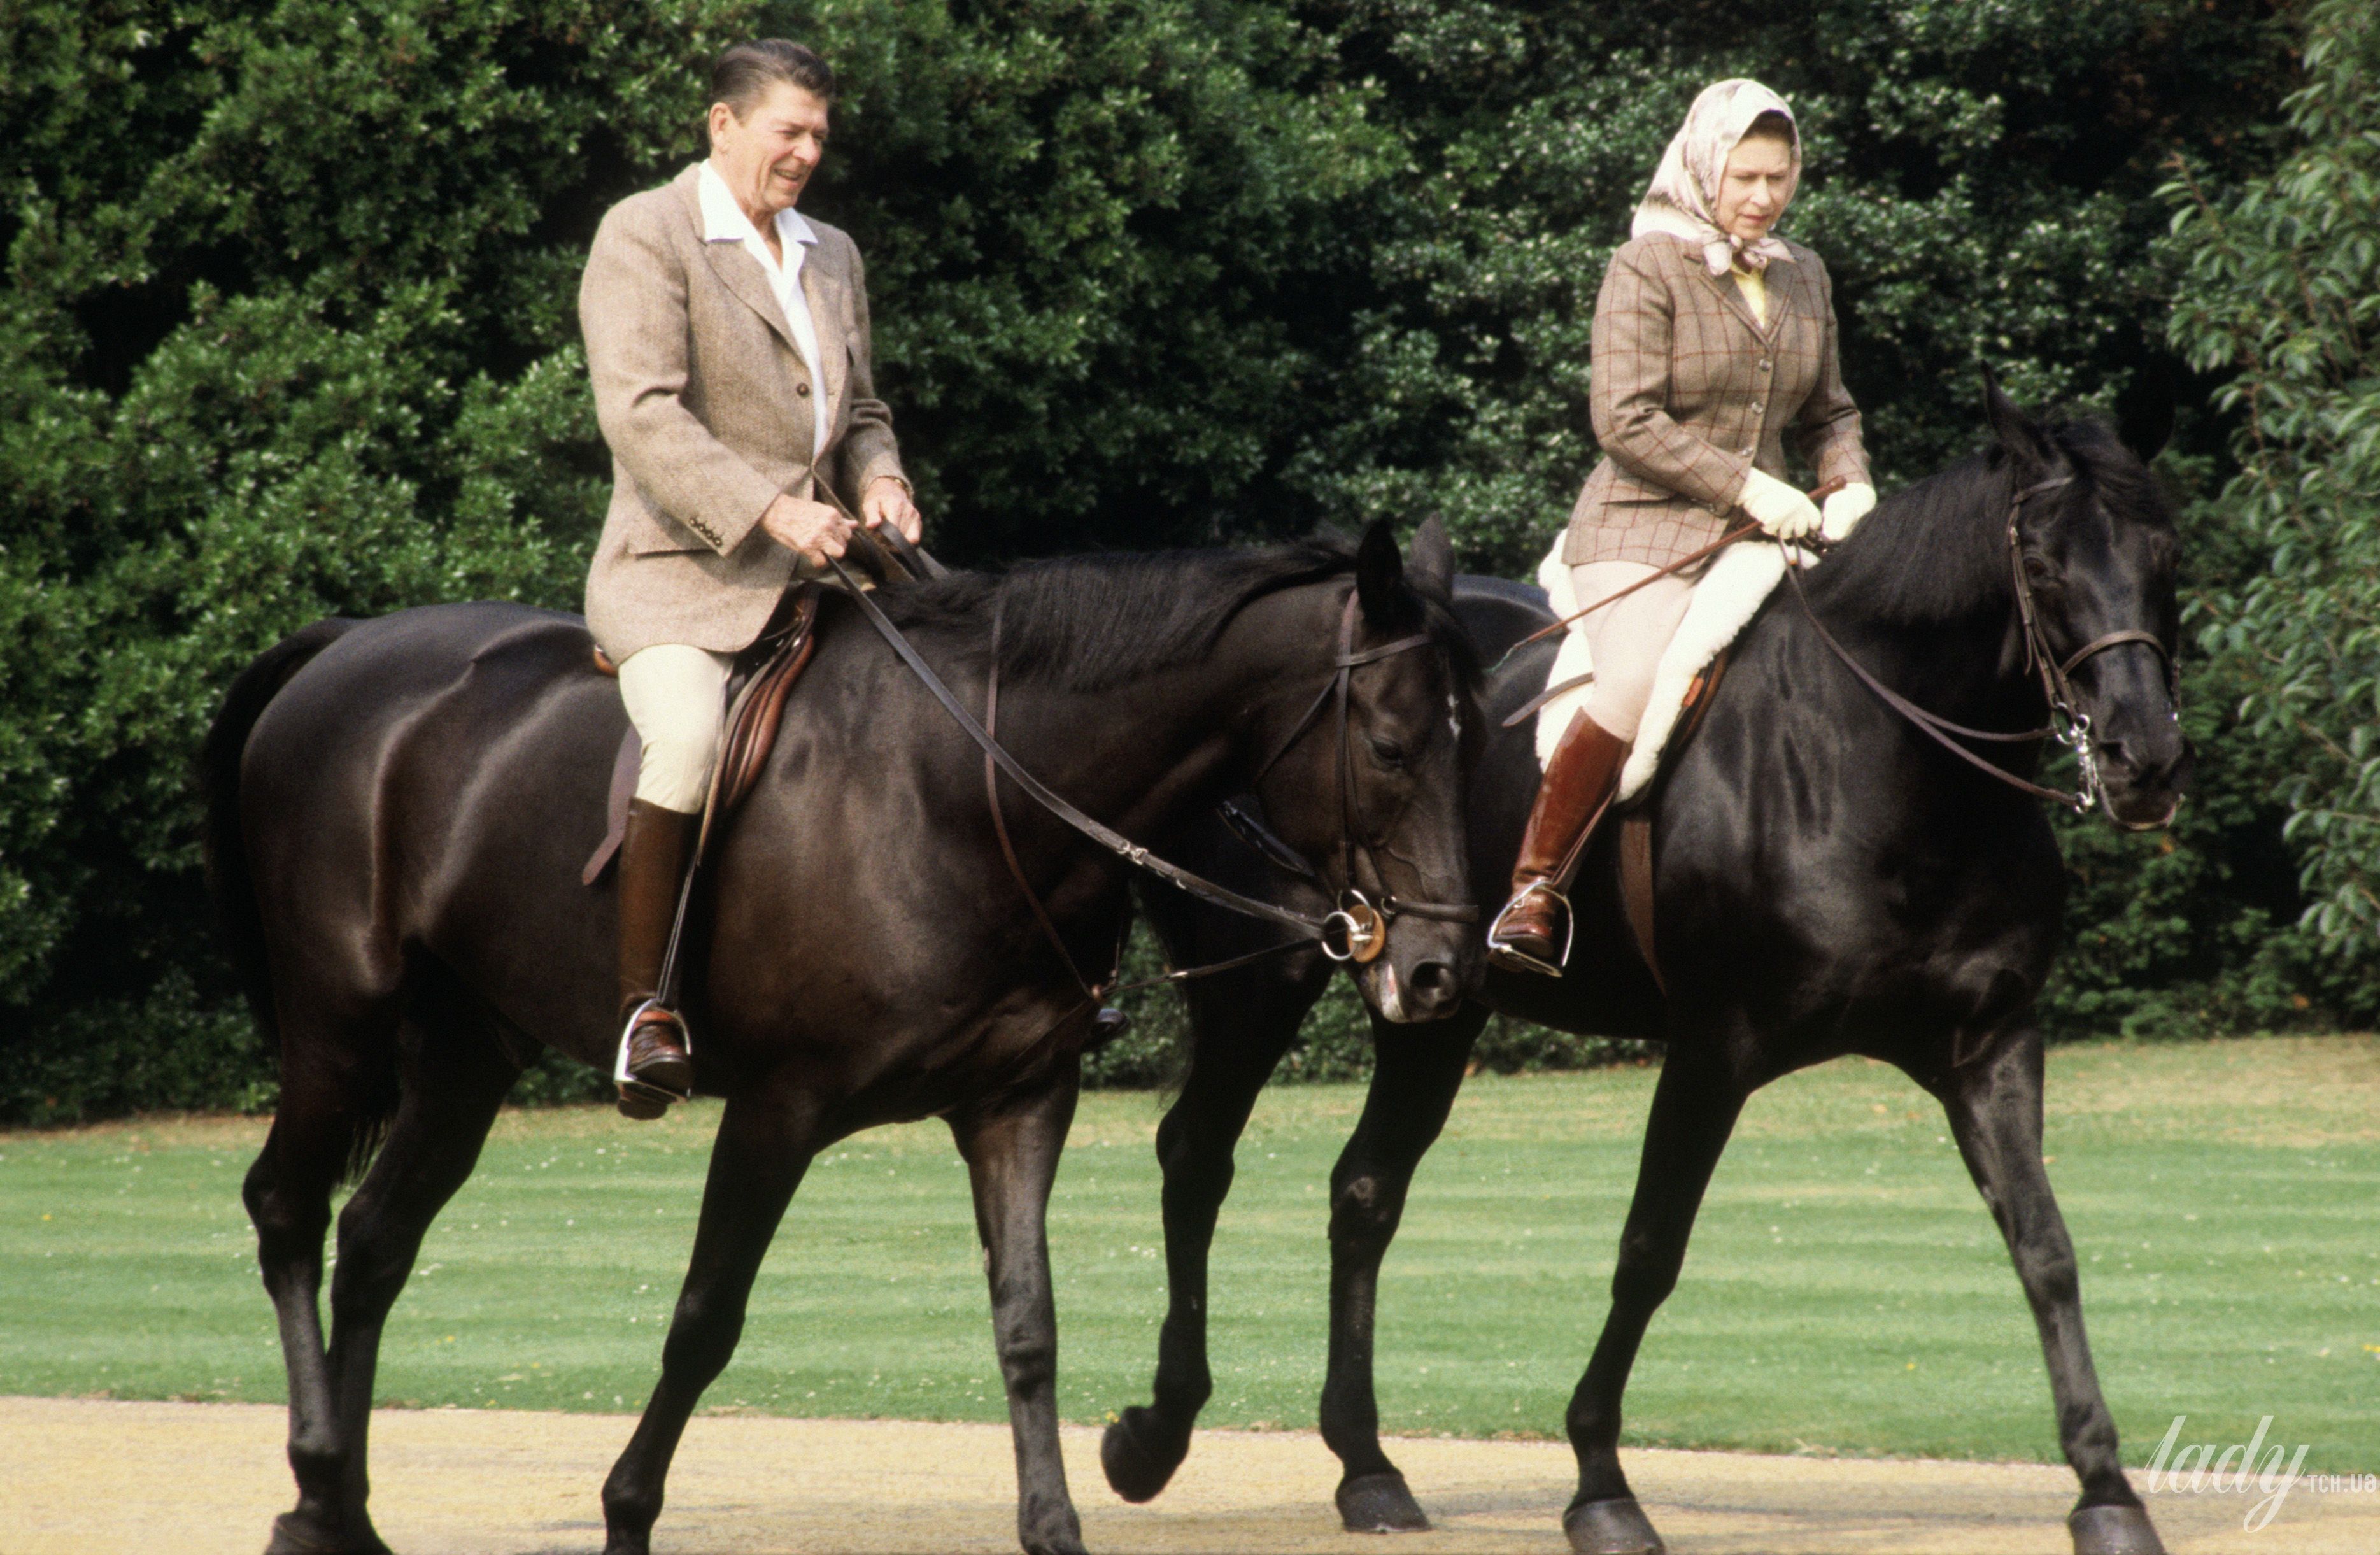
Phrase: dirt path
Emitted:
{"points": [[116, 1478]]}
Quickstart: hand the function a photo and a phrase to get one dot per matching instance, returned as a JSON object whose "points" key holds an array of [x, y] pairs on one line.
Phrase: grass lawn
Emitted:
{"points": [[1846, 1292]]}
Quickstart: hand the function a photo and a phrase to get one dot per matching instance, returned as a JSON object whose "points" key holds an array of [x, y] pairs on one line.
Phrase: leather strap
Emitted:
{"points": [[999, 821]]}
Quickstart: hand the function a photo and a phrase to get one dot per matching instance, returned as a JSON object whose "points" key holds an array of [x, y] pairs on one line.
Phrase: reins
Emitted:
{"points": [[1354, 931], [2069, 725]]}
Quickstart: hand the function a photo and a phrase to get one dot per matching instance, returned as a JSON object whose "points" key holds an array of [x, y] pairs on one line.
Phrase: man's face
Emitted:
{"points": [[1755, 187], [768, 154]]}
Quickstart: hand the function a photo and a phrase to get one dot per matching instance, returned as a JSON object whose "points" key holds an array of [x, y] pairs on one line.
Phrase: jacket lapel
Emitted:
{"points": [[828, 297], [1781, 285], [741, 274]]}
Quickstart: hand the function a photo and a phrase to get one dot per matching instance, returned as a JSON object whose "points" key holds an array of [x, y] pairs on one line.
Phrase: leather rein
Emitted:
{"points": [[2069, 724], [1356, 930]]}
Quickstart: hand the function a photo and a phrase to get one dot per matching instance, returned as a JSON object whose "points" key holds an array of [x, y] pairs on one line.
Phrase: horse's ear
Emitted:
{"points": [[2145, 415], [1429, 562], [2012, 427], [1380, 573]]}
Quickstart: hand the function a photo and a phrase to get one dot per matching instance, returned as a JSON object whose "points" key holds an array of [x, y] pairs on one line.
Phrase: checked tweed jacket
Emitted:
{"points": [[706, 405], [1691, 391]]}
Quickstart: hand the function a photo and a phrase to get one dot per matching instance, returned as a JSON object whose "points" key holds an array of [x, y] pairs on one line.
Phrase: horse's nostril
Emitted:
{"points": [[1433, 982]]}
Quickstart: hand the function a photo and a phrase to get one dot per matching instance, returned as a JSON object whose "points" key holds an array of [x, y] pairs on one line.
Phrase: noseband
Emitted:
{"points": [[2069, 724]]}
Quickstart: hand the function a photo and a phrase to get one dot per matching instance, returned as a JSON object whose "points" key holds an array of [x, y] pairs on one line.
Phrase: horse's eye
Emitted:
{"points": [[1390, 753], [2039, 569]]}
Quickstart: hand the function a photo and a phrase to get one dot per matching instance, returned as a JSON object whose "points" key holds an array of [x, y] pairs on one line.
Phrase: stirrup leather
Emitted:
{"points": [[646, 1089], [1500, 948]]}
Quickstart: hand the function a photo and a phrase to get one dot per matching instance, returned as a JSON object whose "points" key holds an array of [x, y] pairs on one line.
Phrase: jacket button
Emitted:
{"points": [[803, 389], [1763, 364], [1757, 408]]}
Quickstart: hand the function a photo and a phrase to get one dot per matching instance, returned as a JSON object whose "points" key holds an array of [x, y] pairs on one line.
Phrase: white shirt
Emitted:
{"points": [[723, 220]]}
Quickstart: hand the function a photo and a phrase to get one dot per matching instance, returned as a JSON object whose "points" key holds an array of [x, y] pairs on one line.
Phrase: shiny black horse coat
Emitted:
{"points": [[399, 809], [1827, 882]]}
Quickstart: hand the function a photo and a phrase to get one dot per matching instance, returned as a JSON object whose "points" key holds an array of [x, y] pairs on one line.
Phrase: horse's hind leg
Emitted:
{"points": [[1695, 1109], [1995, 1110], [332, 1097], [1012, 1150], [1241, 1026], [765, 1142], [1416, 1070], [456, 1077]]}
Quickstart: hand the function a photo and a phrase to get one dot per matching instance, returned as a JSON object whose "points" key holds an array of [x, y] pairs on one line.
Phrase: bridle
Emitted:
{"points": [[1356, 930], [2069, 724]]}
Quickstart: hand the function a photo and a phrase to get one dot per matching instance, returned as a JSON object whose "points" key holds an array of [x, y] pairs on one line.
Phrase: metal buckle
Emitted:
{"points": [[2076, 737], [1362, 933]]}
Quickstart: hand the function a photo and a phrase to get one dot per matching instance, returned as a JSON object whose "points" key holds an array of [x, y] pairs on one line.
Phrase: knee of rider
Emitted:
{"points": [[673, 770], [1619, 702]]}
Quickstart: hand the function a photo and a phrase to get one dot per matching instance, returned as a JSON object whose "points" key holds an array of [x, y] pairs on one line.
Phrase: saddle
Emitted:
{"points": [[763, 677], [1636, 819]]}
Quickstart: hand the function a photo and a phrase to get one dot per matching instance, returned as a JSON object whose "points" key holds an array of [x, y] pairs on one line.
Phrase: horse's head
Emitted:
{"points": [[1370, 790], [2094, 552]]}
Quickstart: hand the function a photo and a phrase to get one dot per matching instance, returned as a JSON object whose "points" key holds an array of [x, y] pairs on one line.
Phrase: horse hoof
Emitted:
{"points": [[2114, 1530], [293, 1535], [1380, 1503], [1614, 1526], [1134, 1471]]}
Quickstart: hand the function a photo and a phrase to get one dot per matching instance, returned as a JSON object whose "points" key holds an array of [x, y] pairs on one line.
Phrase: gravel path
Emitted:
{"points": [[99, 1478]]}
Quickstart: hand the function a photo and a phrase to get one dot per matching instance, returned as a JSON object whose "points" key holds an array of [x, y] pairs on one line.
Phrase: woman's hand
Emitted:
{"points": [[813, 528], [1847, 508], [886, 501], [1785, 513]]}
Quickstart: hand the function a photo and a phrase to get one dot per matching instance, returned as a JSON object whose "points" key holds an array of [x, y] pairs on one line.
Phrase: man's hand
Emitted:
{"points": [[886, 501], [813, 528]]}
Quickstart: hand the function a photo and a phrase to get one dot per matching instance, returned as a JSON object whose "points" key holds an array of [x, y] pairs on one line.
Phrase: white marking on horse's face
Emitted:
{"points": [[1393, 999], [1454, 716]]}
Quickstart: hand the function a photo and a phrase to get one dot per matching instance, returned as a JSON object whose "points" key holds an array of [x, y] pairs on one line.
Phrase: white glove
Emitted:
{"points": [[1785, 513], [1845, 508]]}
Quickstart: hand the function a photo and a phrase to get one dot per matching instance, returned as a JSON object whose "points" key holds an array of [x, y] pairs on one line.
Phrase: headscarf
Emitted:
{"points": [[1683, 199]]}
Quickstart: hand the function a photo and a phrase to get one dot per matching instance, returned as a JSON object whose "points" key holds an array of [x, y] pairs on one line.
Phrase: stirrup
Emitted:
{"points": [[1505, 953], [632, 1087]]}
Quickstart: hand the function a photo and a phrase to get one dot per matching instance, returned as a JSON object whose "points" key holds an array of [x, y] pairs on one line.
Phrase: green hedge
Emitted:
{"points": [[289, 325]]}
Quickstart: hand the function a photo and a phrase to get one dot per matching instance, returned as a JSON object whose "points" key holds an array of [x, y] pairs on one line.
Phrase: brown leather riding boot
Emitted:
{"points": [[1571, 797], [653, 857]]}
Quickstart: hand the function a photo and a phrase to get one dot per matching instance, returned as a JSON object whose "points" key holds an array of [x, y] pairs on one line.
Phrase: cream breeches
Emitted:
{"points": [[674, 694], [1627, 636]]}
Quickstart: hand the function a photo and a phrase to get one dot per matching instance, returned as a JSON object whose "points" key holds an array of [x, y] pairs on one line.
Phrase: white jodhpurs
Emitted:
{"points": [[1628, 636], [674, 694]]}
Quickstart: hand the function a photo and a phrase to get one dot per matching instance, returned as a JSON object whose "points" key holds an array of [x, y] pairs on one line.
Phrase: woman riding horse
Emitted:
{"points": [[728, 339], [1712, 339]]}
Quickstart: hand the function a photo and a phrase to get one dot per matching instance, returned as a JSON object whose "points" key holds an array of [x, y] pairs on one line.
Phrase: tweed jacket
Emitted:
{"points": [[706, 405], [1691, 391]]}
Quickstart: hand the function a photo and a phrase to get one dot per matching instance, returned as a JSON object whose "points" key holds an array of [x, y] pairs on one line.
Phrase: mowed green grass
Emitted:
{"points": [[1846, 1292]]}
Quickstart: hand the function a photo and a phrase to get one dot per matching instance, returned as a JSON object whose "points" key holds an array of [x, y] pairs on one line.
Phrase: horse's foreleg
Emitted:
{"points": [[1011, 1148], [1695, 1109], [764, 1145], [1416, 1070], [1232, 1055], [1995, 1111]]}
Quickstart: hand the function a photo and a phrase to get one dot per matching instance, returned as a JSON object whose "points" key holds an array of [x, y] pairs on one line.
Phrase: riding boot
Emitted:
{"points": [[1571, 797], [653, 858]]}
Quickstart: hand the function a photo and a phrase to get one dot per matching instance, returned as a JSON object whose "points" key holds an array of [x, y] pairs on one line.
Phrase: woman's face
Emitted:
{"points": [[768, 154], [1755, 187]]}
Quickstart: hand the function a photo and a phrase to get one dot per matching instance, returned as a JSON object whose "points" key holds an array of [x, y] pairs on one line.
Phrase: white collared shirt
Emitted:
{"points": [[723, 220]]}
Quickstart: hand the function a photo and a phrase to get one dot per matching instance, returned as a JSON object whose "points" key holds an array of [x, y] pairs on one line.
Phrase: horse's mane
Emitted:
{"points": [[1936, 549], [1094, 621]]}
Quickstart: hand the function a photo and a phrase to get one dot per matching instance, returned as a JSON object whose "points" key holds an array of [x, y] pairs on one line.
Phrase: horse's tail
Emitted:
{"points": [[238, 922]]}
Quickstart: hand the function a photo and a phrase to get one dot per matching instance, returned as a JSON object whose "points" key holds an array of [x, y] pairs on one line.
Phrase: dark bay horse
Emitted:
{"points": [[399, 809], [1827, 882]]}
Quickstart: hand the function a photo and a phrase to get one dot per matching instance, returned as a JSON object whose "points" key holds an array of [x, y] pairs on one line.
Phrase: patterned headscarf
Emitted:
{"points": [[1683, 199]]}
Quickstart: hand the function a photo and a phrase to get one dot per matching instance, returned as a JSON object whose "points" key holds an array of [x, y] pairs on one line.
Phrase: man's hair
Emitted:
{"points": [[743, 75]]}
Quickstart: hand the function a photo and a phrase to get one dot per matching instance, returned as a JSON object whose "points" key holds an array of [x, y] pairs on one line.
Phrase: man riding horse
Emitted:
{"points": [[728, 340]]}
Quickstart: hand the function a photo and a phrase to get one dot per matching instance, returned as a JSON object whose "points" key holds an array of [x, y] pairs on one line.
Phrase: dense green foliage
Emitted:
{"points": [[2283, 292], [1846, 1291], [290, 331]]}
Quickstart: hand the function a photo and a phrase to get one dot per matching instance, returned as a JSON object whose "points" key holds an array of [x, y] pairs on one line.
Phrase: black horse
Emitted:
{"points": [[399, 809], [1827, 882]]}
